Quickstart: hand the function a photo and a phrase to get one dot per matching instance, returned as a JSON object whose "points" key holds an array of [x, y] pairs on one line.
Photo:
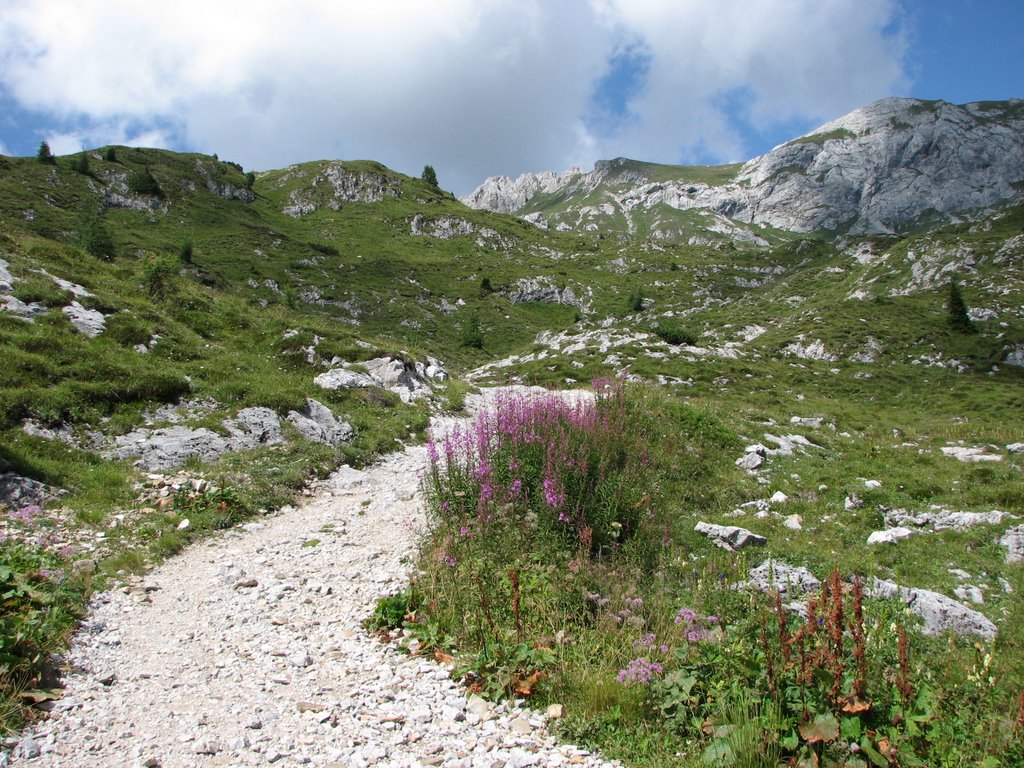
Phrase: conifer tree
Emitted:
{"points": [[44, 155], [959, 320], [429, 175]]}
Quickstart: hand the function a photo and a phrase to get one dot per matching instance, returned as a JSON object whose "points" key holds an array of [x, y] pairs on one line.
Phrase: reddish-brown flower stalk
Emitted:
{"points": [[768, 661], [780, 615], [903, 681], [834, 625], [859, 642], [513, 577]]}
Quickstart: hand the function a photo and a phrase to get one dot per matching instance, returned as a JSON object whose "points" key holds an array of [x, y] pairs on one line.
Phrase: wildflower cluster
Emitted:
{"points": [[547, 462], [639, 671], [695, 627]]}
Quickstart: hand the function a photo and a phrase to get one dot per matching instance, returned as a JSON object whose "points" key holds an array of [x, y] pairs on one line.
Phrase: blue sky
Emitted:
{"points": [[483, 87]]}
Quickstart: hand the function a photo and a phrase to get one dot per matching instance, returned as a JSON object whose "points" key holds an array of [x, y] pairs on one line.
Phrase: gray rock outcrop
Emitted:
{"points": [[344, 378], [730, 537], [878, 169], [1013, 540], [90, 322], [319, 424], [787, 580], [17, 491], [529, 289], [938, 612], [170, 447]]}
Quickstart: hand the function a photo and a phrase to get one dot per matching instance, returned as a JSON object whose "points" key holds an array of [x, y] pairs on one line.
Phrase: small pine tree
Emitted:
{"points": [[471, 335], [185, 252], [93, 234], [81, 164], [636, 301], [959, 320], [44, 155], [486, 287], [110, 155], [429, 175], [250, 179]]}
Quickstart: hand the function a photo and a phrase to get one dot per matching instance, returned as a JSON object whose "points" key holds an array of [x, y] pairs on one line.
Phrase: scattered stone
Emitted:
{"points": [[205, 747], [17, 491], [554, 711], [970, 592], [779, 498], [185, 524], [939, 613], [750, 461], [970, 455], [889, 536], [939, 519], [794, 522], [872, 484], [246, 583], [1015, 448], [813, 423], [343, 378], [730, 537], [1013, 540], [786, 579], [28, 748], [852, 502], [89, 322]]}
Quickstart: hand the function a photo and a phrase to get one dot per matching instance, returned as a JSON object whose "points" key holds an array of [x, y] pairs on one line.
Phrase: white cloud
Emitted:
{"points": [[474, 87], [4, 150]]}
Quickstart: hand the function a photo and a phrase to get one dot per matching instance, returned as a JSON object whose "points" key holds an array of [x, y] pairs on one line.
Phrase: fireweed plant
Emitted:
{"points": [[561, 566]]}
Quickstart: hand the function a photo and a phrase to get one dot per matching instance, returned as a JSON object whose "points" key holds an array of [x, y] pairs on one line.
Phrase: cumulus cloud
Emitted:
{"points": [[473, 87]]}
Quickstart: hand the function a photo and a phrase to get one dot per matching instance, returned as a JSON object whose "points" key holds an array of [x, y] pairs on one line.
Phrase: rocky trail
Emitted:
{"points": [[248, 650]]}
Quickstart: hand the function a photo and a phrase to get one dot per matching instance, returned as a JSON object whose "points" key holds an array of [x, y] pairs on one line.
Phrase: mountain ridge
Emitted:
{"points": [[881, 169]]}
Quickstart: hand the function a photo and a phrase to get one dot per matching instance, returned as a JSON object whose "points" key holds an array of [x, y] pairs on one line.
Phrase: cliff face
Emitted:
{"points": [[879, 169]]}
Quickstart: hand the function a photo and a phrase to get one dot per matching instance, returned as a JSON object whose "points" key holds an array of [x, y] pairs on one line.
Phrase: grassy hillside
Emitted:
{"points": [[226, 291]]}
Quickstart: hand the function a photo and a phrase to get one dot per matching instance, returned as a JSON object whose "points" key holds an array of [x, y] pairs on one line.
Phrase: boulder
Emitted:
{"points": [[787, 579], [939, 613], [87, 321], [169, 447], [343, 378], [319, 424], [1013, 540], [17, 491], [889, 536], [730, 537], [970, 455], [252, 427]]}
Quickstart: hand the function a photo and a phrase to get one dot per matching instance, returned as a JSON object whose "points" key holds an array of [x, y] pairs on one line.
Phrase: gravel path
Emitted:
{"points": [[247, 650]]}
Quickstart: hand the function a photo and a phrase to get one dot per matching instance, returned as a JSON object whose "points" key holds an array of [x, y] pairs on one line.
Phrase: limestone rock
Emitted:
{"points": [[939, 613], [876, 170], [343, 378], [319, 424], [889, 536], [86, 321], [787, 579], [1013, 540], [730, 537], [17, 491], [970, 455]]}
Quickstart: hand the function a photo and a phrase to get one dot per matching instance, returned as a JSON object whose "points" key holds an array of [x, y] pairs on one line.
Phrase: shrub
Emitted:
{"points": [[93, 234], [635, 302], [250, 180], [471, 336], [143, 183], [159, 276], [675, 334], [185, 252], [81, 164], [110, 155], [429, 175]]}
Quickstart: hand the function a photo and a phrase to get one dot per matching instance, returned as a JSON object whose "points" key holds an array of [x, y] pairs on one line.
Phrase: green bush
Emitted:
{"points": [[675, 334], [471, 335], [142, 182], [93, 234]]}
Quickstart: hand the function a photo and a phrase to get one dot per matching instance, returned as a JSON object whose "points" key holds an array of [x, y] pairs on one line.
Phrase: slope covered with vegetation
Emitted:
{"points": [[221, 291]]}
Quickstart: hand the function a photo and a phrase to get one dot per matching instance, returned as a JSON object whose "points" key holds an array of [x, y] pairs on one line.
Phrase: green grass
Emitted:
{"points": [[357, 276]]}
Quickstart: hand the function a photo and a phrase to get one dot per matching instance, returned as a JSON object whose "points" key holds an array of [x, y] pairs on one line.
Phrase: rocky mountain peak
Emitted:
{"points": [[879, 169]]}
